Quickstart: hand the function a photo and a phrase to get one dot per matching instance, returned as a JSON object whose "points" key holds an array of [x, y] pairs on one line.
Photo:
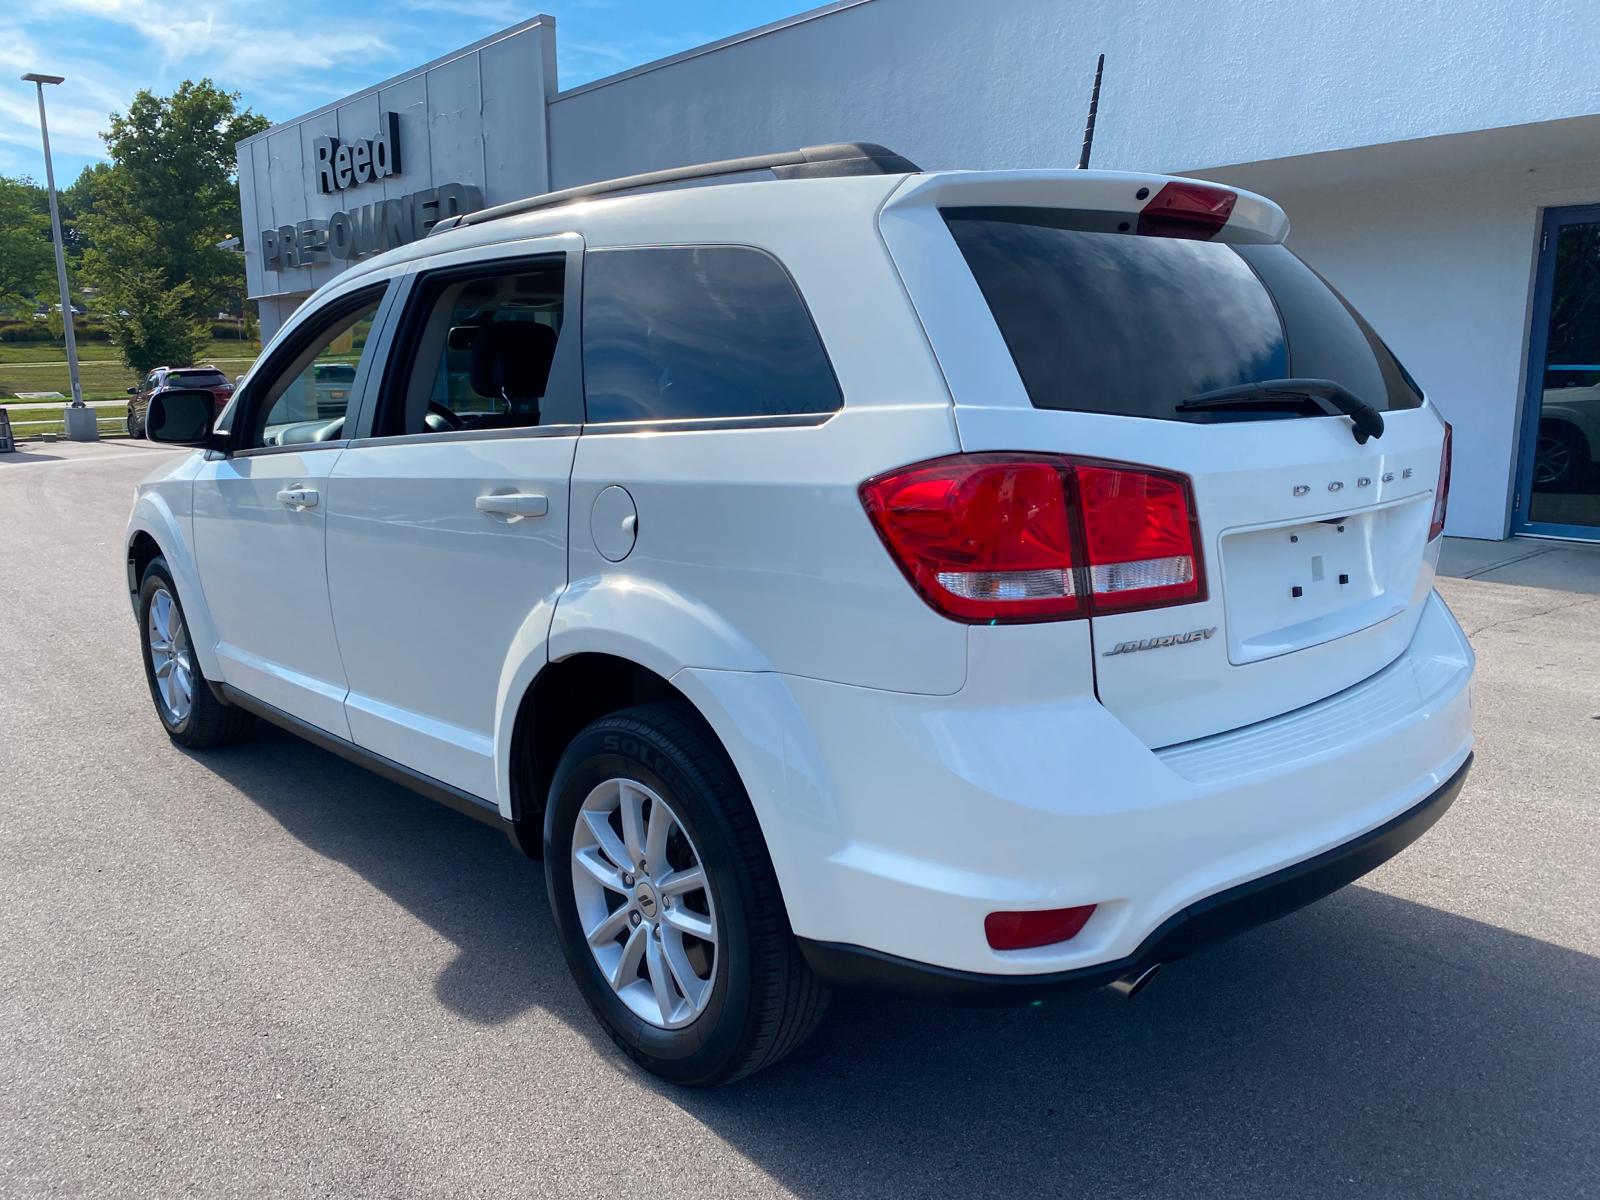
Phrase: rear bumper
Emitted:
{"points": [[1202, 923], [897, 821]]}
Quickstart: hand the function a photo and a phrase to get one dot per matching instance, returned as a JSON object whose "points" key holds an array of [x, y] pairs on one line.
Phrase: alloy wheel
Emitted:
{"points": [[643, 903], [170, 658], [1552, 459]]}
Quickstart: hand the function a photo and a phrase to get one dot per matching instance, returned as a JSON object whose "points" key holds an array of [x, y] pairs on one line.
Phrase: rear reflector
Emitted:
{"points": [[1038, 537], [1187, 210], [1441, 493], [1024, 930]]}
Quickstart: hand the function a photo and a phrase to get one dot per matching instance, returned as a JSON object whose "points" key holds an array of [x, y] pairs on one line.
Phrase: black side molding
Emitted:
{"points": [[1206, 921], [475, 807]]}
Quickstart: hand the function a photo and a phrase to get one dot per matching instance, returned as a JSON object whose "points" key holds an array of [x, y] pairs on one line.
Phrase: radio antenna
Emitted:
{"points": [[1094, 107]]}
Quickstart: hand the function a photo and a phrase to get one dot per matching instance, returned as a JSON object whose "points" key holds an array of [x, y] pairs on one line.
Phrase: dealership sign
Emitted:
{"points": [[341, 166], [368, 228]]}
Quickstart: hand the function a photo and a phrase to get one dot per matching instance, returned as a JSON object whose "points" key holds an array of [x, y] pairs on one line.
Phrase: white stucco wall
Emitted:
{"points": [[956, 83]]}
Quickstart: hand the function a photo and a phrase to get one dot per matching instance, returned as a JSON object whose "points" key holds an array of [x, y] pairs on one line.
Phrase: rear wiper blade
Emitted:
{"points": [[1331, 397]]}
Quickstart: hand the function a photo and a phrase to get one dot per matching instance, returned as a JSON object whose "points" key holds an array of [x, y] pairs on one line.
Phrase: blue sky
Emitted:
{"points": [[289, 58]]}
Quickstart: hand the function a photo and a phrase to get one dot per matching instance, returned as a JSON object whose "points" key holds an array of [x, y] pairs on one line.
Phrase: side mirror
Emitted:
{"points": [[181, 417], [133, 391]]}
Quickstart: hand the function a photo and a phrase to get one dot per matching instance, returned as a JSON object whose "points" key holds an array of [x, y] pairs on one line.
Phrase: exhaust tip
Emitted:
{"points": [[1131, 984]]}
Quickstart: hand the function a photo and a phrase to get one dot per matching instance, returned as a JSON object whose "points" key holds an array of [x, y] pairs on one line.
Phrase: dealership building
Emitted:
{"points": [[1440, 165]]}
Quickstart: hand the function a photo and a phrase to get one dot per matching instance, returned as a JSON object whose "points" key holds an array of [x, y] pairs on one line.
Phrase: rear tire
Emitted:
{"points": [[189, 712], [747, 997]]}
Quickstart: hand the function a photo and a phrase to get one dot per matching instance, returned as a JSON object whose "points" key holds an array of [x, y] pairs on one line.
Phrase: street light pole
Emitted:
{"points": [[80, 419]]}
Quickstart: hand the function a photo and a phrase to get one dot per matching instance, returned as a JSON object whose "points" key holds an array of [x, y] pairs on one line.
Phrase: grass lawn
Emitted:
{"points": [[30, 352], [104, 378]]}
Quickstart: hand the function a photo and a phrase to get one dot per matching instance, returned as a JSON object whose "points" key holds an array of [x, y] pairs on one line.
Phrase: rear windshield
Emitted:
{"points": [[1117, 323], [196, 379]]}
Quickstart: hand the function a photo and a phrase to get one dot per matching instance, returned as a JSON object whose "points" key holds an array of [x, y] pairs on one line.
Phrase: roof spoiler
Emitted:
{"points": [[810, 162]]}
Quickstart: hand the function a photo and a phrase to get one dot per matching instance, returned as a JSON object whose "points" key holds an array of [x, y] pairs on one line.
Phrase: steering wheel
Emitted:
{"points": [[439, 419]]}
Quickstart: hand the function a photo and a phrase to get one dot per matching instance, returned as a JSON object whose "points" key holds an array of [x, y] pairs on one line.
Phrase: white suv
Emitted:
{"points": [[970, 584]]}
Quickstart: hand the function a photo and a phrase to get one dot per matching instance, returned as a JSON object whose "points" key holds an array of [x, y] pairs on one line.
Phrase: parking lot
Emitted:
{"points": [[265, 970]]}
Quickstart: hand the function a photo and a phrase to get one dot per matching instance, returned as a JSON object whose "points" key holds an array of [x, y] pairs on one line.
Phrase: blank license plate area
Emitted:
{"points": [[1295, 586]]}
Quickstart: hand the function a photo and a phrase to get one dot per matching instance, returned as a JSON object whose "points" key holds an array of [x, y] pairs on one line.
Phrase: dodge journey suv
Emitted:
{"points": [[971, 584]]}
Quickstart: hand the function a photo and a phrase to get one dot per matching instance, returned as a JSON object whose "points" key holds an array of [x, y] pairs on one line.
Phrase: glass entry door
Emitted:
{"points": [[1558, 484]]}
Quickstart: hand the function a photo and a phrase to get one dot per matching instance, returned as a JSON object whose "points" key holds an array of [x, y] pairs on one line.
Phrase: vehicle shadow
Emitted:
{"points": [[1367, 1045], [26, 454]]}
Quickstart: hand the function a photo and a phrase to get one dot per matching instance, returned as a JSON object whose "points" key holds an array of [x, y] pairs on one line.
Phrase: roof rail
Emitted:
{"points": [[810, 162]]}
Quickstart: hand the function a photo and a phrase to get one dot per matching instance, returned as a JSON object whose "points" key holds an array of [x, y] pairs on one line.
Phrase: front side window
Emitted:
{"points": [[486, 353], [677, 332], [308, 399]]}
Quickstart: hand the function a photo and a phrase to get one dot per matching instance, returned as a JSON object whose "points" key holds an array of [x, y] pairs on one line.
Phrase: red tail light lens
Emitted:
{"points": [[1187, 210], [1038, 537], [1441, 494], [1140, 530], [1024, 930], [982, 537]]}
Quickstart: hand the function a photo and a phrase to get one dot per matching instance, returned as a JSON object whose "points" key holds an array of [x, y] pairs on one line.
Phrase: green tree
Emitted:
{"points": [[154, 216], [78, 204], [26, 260], [151, 322]]}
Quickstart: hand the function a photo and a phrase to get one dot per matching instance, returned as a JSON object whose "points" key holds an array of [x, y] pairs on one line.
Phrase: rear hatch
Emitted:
{"points": [[1081, 314]]}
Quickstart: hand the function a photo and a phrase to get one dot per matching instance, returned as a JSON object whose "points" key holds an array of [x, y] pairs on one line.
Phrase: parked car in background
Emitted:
{"points": [[207, 378], [1569, 437], [970, 584]]}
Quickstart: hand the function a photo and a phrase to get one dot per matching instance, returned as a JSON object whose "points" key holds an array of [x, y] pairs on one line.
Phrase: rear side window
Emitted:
{"points": [[1132, 326], [678, 332], [486, 352]]}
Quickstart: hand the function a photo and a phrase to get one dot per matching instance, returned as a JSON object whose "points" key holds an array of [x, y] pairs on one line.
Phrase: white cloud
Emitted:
{"points": [[77, 109], [234, 43], [499, 12], [109, 49]]}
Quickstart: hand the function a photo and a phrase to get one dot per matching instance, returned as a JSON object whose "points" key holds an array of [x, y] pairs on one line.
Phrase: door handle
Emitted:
{"points": [[299, 497], [514, 504]]}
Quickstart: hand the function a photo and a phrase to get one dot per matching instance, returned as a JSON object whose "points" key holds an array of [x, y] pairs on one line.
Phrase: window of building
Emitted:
{"points": [[698, 332]]}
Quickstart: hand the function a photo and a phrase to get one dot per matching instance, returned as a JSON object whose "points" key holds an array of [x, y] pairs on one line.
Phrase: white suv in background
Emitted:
{"points": [[971, 584]]}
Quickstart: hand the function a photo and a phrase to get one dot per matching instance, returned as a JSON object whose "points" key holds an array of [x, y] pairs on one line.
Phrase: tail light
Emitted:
{"points": [[1187, 210], [1441, 493], [1038, 537]]}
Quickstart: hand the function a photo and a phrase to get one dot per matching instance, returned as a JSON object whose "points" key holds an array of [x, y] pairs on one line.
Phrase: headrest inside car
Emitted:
{"points": [[511, 359]]}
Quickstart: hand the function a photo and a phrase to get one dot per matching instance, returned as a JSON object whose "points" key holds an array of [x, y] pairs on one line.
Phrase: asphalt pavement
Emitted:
{"points": [[263, 970]]}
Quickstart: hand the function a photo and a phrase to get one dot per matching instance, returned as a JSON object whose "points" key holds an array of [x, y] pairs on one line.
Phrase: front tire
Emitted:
{"points": [[666, 904], [189, 712]]}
